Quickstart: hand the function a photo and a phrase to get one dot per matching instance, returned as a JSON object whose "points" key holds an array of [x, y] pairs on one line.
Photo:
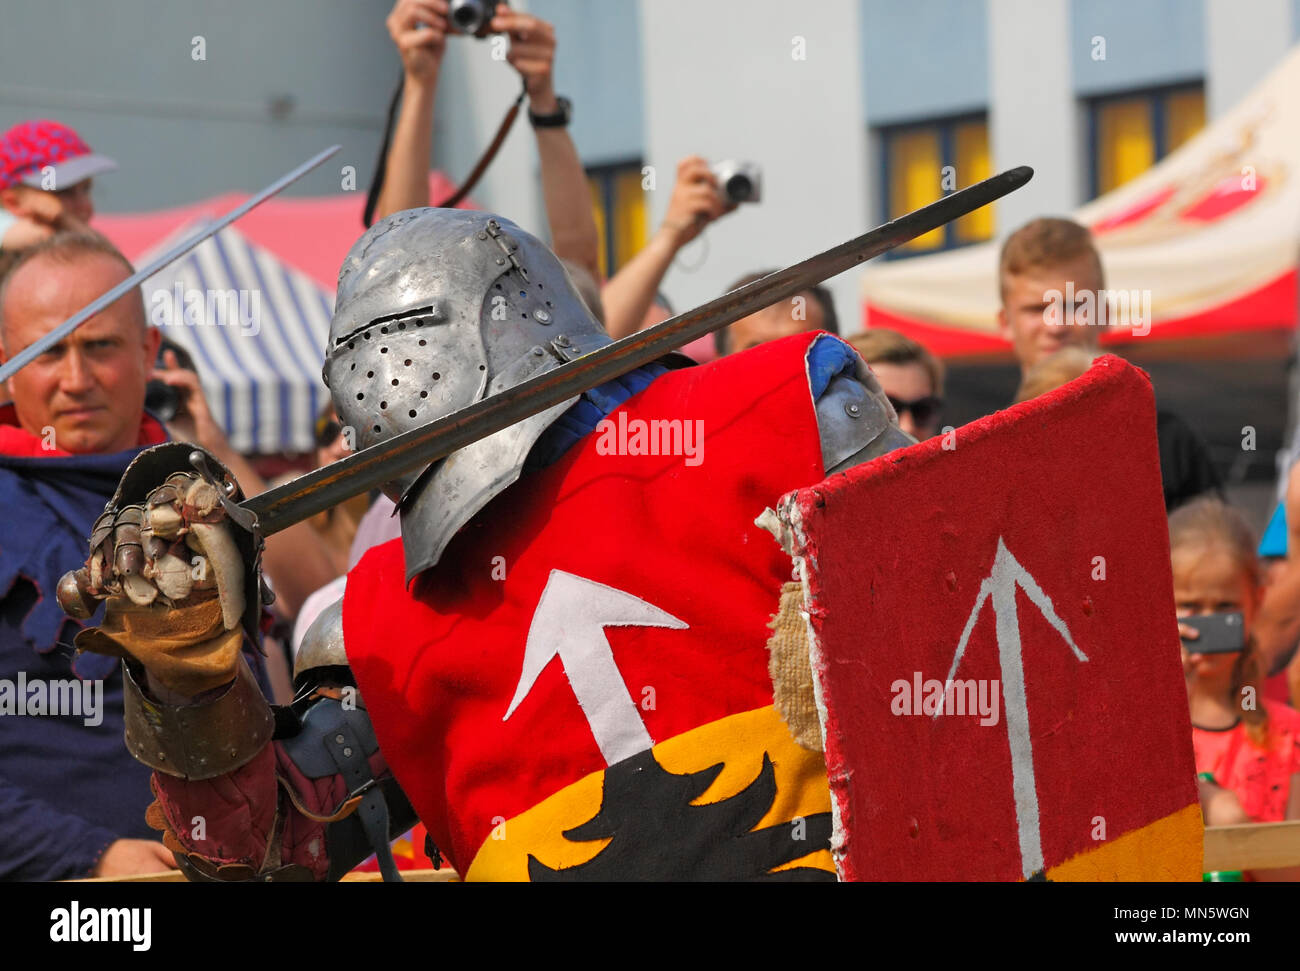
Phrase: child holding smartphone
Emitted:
{"points": [[1250, 747]]}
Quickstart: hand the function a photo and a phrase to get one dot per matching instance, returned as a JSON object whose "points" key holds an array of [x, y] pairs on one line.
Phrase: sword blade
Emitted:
{"points": [[34, 350], [287, 504]]}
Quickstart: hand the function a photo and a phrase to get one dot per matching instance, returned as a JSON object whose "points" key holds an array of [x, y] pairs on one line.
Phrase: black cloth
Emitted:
{"points": [[1185, 466]]}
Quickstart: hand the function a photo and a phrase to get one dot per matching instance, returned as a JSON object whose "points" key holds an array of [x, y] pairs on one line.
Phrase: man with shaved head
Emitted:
{"points": [[86, 394], [72, 800]]}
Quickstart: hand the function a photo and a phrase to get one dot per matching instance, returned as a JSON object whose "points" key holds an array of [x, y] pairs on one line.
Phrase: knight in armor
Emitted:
{"points": [[561, 666]]}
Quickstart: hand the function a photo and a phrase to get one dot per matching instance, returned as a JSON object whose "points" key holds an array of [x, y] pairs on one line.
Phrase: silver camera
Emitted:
{"points": [[471, 16], [739, 182]]}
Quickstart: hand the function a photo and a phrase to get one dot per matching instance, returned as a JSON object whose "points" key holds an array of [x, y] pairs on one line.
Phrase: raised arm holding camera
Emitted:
{"points": [[419, 28], [697, 200]]}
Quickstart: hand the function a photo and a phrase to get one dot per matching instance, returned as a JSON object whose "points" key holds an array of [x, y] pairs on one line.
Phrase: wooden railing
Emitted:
{"points": [[445, 875], [1256, 846]]}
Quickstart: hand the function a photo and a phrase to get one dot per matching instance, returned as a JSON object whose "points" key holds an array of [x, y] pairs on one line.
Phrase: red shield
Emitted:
{"points": [[996, 650]]}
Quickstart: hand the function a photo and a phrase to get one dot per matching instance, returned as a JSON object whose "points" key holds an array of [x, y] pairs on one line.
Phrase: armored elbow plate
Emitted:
{"points": [[322, 644]]}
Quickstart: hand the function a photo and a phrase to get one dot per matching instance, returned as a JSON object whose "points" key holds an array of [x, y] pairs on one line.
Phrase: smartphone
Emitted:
{"points": [[1220, 633]]}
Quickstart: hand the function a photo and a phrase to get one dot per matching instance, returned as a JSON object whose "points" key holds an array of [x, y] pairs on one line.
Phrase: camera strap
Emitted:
{"points": [[381, 166], [502, 131]]}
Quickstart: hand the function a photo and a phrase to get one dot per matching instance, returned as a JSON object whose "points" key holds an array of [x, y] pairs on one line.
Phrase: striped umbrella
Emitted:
{"points": [[256, 329]]}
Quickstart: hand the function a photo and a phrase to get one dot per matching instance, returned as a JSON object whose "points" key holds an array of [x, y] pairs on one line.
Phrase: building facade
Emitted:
{"points": [[860, 110], [856, 110]]}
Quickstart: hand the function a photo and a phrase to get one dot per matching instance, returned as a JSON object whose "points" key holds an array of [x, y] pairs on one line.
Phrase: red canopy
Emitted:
{"points": [[1206, 242], [312, 234]]}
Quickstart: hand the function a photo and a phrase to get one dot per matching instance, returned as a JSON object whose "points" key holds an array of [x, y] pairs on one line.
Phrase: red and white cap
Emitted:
{"points": [[29, 149]]}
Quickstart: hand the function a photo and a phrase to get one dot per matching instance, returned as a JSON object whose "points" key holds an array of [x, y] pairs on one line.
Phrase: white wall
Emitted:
{"points": [[123, 74], [1034, 118], [721, 81], [1245, 41], [474, 92]]}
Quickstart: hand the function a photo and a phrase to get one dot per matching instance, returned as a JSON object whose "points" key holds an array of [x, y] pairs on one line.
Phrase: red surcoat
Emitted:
{"points": [[648, 576]]}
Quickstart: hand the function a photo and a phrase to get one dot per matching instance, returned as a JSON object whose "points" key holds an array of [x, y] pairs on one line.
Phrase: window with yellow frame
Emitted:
{"points": [[1133, 131], [619, 203], [922, 163]]}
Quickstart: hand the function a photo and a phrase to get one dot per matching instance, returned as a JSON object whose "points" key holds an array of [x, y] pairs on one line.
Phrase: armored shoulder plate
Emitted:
{"points": [[856, 422], [322, 644]]}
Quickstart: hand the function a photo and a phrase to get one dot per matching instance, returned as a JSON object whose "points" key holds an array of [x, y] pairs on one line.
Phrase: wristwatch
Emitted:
{"points": [[559, 118]]}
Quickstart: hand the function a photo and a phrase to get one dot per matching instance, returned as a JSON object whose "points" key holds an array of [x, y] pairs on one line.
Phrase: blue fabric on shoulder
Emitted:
{"points": [[585, 414], [828, 358]]}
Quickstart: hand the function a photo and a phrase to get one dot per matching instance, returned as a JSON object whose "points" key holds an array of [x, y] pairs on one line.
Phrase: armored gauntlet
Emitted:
{"points": [[179, 576]]}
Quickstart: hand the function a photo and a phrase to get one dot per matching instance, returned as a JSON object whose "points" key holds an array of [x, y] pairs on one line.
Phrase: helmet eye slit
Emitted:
{"points": [[430, 315]]}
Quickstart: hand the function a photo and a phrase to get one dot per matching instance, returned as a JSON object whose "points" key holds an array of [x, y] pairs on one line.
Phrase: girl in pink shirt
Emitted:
{"points": [[1249, 746]]}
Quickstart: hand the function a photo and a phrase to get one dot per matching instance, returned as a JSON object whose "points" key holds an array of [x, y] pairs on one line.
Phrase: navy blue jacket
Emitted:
{"points": [[67, 788]]}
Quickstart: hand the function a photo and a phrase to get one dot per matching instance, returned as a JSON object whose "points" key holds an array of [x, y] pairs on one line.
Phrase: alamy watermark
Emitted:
{"points": [[1084, 308], [75, 924], [971, 696], [60, 697], [181, 307], [639, 436]]}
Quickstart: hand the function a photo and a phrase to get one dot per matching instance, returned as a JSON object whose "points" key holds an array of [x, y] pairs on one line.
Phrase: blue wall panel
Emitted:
{"points": [[1147, 44], [598, 65], [924, 59]]}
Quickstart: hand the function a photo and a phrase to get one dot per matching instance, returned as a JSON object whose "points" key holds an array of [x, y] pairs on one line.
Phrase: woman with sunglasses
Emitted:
{"points": [[911, 377]]}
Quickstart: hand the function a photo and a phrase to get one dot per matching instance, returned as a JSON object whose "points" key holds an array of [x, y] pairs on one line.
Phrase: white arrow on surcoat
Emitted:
{"points": [[1000, 585], [569, 623]]}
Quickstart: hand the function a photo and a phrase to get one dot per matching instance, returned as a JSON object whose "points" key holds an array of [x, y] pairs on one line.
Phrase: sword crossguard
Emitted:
{"points": [[226, 488]]}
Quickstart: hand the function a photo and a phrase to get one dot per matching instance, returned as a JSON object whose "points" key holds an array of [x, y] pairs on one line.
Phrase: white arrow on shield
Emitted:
{"points": [[1001, 586], [569, 623]]}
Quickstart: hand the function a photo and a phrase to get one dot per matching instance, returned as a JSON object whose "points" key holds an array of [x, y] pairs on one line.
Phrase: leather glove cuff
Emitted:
{"points": [[187, 649], [200, 741]]}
